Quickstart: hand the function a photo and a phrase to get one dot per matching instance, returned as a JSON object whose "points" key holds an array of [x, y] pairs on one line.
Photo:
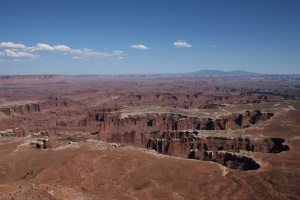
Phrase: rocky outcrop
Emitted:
{"points": [[109, 123], [186, 99], [32, 107], [181, 136], [232, 160], [191, 144], [128, 138], [181, 143], [17, 132]]}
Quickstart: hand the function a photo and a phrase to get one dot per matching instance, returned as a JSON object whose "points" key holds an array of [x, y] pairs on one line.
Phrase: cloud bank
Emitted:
{"points": [[19, 52], [139, 46], [182, 44], [10, 45], [17, 56]]}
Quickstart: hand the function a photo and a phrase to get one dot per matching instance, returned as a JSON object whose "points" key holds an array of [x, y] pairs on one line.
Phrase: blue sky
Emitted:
{"points": [[148, 36]]}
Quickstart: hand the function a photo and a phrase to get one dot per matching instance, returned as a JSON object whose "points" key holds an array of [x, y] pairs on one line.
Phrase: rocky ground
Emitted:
{"points": [[149, 137]]}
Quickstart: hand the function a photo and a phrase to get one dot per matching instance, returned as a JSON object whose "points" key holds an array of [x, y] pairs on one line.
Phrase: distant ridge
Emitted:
{"points": [[219, 72], [214, 73]]}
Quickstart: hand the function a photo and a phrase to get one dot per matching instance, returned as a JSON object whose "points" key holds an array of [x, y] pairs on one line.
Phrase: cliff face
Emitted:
{"points": [[21, 109], [182, 136], [110, 123], [232, 160], [171, 134], [32, 107], [190, 144], [193, 100]]}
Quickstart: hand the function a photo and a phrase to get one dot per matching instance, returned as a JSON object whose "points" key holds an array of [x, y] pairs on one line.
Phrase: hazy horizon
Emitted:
{"points": [[170, 73]]}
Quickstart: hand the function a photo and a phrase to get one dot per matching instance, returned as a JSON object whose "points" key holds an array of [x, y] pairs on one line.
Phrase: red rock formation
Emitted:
{"points": [[189, 144], [110, 123], [36, 106]]}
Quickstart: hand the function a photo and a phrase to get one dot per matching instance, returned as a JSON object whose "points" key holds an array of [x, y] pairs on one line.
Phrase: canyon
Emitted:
{"points": [[240, 131]]}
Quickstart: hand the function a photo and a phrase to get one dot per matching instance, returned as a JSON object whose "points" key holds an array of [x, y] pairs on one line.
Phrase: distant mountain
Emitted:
{"points": [[209, 72], [219, 72], [241, 72]]}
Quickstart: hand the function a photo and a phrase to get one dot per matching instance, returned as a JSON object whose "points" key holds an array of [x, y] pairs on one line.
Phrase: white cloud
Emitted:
{"points": [[91, 53], [17, 55], [21, 50], [40, 47], [118, 53], [61, 48], [78, 57], [139, 46], [46, 47], [182, 44], [67, 50], [10, 45], [213, 46]]}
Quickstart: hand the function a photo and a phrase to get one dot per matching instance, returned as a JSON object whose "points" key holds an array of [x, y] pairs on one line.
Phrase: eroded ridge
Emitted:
{"points": [[188, 137], [112, 123], [232, 152]]}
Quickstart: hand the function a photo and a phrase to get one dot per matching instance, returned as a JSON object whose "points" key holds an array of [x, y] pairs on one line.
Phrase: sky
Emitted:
{"points": [[75, 37]]}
